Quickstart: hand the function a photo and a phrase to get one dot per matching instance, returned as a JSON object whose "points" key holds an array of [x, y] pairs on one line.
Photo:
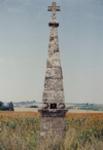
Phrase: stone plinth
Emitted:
{"points": [[52, 122]]}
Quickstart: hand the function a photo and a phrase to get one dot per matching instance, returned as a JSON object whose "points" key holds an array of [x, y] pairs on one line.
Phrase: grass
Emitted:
{"points": [[20, 131], [15, 141]]}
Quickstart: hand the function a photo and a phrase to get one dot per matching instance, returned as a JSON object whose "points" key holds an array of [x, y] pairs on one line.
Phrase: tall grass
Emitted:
{"points": [[21, 131], [15, 141]]}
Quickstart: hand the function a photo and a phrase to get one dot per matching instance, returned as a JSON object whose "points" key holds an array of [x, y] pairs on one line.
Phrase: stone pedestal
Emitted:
{"points": [[52, 124]]}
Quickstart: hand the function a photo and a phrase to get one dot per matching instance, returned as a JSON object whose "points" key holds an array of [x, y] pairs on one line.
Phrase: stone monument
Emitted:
{"points": [[53, 107]]}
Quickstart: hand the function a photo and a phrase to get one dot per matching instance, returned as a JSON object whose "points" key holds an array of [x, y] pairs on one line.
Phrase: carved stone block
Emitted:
{"points": [[53, 63], [54, 73], [53, 84], [61, 106], [53, 48], [50, 101], [54, 126], [53, 95], [45, 105], [53, 56], [56, 63]]}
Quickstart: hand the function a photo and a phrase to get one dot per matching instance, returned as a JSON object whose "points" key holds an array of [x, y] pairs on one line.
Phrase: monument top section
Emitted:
{"points": [[54, 8]]}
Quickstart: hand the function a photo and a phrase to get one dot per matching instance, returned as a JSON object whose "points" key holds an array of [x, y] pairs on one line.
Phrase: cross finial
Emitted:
{"points": [[53, 8]]}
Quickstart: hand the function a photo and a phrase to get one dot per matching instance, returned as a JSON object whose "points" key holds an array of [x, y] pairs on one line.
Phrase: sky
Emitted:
{"points": [[24, 38]]}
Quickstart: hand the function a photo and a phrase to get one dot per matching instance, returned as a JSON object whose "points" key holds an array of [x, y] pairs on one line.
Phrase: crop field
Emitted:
{"points": [[20, 130]]}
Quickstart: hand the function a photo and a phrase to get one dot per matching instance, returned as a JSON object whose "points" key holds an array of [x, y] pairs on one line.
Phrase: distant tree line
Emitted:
{"points": [[33, 106], [25, 102], [9, 107], [70, 107], [89, 108]]}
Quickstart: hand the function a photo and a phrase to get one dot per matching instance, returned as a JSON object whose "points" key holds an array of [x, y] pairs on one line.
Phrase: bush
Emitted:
{"points": [[4, 108], [33, 106], [9, 107], [1, 103]]}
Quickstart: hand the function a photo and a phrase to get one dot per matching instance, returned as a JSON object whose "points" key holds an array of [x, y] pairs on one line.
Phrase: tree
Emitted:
{"points": [[4, 108], [11, 106], [1, 103], [87, 104]]}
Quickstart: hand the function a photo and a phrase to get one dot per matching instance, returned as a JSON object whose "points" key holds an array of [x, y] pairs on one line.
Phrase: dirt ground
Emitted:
{"points": [[25, 109]]}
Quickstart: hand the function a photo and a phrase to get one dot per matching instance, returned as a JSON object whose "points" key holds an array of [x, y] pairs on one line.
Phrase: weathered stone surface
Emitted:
{"points": [[53, 112], [45, 105], [56, 8], [53, 84], [53, 59], [61, 106], [56, 63], [53, 63], [53, 41], [53, 73], [52, 125], [53, 48], [53, 56], [53, 94], [53, 32], [50, 101]]}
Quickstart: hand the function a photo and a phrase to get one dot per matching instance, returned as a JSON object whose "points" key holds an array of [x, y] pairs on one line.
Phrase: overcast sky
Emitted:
{"points": [[24, 38]]}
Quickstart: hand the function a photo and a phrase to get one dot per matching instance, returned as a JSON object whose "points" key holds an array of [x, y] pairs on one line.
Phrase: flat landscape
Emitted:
{"points": [[23, 109], [72, 108]]}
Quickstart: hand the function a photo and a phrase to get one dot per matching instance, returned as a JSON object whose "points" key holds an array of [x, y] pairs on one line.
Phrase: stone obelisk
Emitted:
{"points": [[53, 107]]}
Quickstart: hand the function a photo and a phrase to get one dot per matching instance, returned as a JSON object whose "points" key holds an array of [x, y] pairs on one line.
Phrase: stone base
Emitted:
{"points": [[52, 123], [52, 112]]}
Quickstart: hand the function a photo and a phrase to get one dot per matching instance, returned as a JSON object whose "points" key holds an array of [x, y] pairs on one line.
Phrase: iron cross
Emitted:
{"points": [[53, 8]]}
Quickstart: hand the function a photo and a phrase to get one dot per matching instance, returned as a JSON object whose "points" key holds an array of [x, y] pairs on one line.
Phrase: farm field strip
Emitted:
{"points": [[27, 124], [84, 121], [23, 109]]}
